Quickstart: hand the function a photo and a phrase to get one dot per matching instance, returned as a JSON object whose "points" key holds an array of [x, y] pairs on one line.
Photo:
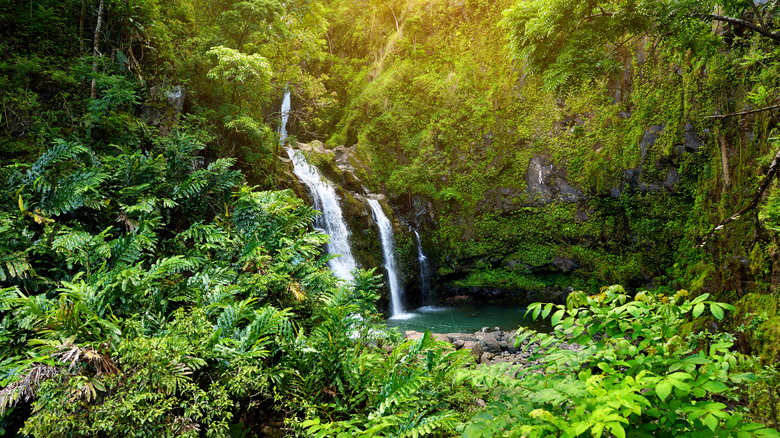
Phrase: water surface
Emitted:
{"points": [[466, 318]]}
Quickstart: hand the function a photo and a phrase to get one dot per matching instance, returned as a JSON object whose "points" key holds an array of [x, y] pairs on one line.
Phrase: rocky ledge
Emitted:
{"points": [[492, 346]]}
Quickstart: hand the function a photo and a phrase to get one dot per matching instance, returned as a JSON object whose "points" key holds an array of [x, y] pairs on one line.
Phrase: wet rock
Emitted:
{"points": [[411, 334], [164, 106], [441, 338], [485, 358], [461, 337], [488, 342], [547, 182], [649, 138], [475, 348], [692, 141], [565, 264], [672, 178]]}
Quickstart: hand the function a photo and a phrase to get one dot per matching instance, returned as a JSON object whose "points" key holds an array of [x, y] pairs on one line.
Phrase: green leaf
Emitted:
{"points": [[698, 309], [714, 386], [711, 422], [547, 309], [616, 429], [716, 310], [663, 389], [556, 318]]}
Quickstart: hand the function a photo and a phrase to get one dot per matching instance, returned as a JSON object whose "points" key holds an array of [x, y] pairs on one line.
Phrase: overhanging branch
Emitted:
{"points": [[742, 113], [740, 22], [768, 177]]}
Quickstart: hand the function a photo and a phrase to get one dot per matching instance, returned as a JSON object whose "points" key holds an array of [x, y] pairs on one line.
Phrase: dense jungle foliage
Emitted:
{"points": [[157, 280]]}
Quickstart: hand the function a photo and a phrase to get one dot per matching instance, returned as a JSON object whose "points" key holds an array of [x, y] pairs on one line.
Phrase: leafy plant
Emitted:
{"points": [[621, 367]]}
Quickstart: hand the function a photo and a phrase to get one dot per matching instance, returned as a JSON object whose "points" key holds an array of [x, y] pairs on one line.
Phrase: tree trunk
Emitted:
{"points": [[96, 51], [81, 25], [724, 159]]}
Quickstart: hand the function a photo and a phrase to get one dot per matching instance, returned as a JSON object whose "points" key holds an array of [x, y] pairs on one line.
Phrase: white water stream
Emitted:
{"points": [[386, 235], [285, 116], [325, 200], [332, 220], [425, 272]]}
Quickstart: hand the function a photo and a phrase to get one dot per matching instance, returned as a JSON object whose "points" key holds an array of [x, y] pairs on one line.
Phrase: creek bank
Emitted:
{"points": [[492, 346]]}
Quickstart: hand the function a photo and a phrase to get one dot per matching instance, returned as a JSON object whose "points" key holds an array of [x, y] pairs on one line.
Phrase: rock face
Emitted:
{"points": [[547, 182], [164, 106]]}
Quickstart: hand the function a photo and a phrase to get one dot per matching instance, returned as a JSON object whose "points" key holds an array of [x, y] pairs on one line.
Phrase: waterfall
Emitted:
{"points": [[332, 220], [386, 235], [285, 115], [425, 272]]}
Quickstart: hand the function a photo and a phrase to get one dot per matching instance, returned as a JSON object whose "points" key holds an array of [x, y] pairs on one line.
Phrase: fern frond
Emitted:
{"points": [[425, 423], [14, 265], [26, 388], [399, 389], [232, 314], [71, 192], [62, 150]]}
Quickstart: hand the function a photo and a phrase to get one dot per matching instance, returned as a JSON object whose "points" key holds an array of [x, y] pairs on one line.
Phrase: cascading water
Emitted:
{"points": [[425, 273], [386, 234], [332, 220], [285, 116]]}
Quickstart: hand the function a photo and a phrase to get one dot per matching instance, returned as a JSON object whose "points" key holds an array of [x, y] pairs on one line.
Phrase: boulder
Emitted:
{"points": [[485, 358], [461, 336], [414, 335], [475, 348], [441, 338], [488, 342]]}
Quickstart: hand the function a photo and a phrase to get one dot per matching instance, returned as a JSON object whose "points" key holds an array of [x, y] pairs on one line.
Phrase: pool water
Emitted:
{"points": [[466, 318]]}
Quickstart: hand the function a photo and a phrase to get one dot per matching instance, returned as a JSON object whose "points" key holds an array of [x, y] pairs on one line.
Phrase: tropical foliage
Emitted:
{"points": [[155, 280], [631, 373]]}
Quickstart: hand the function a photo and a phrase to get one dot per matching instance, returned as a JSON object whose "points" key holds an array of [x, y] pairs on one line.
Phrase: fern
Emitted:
{"points": [[62, 150], [14, 265], [71, 192], [425, 423], [126, 250], [399, 389]]}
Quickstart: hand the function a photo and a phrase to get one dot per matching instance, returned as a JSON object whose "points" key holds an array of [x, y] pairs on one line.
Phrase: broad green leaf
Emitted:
{"points": [[716, 310], [711, 422], [682, 386], [547, 309], [714, 386], [698, 309], [663, 389], [617, 429], [556, 318]]}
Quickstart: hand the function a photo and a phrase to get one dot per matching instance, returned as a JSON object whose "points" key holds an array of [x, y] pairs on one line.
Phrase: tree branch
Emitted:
{"points": [[740, 22], [96, 51], [768, 177], [723, 116]]}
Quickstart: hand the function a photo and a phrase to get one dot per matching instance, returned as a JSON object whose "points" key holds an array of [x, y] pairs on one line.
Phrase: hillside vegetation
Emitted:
{"points": [[157, 280]]}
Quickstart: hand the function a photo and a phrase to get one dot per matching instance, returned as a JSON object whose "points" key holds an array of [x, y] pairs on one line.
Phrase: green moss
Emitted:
{"points": [[757, 323]]}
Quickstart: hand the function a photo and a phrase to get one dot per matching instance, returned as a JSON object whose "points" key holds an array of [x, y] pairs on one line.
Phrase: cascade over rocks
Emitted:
{"points": [[349, 177]]}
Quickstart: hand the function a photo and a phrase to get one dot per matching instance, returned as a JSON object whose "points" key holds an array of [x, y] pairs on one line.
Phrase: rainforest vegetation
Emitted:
{"points": [[160, 276]]}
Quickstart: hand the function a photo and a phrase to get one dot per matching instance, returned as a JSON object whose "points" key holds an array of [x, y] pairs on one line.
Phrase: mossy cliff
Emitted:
{"points": [[520, 188]]}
